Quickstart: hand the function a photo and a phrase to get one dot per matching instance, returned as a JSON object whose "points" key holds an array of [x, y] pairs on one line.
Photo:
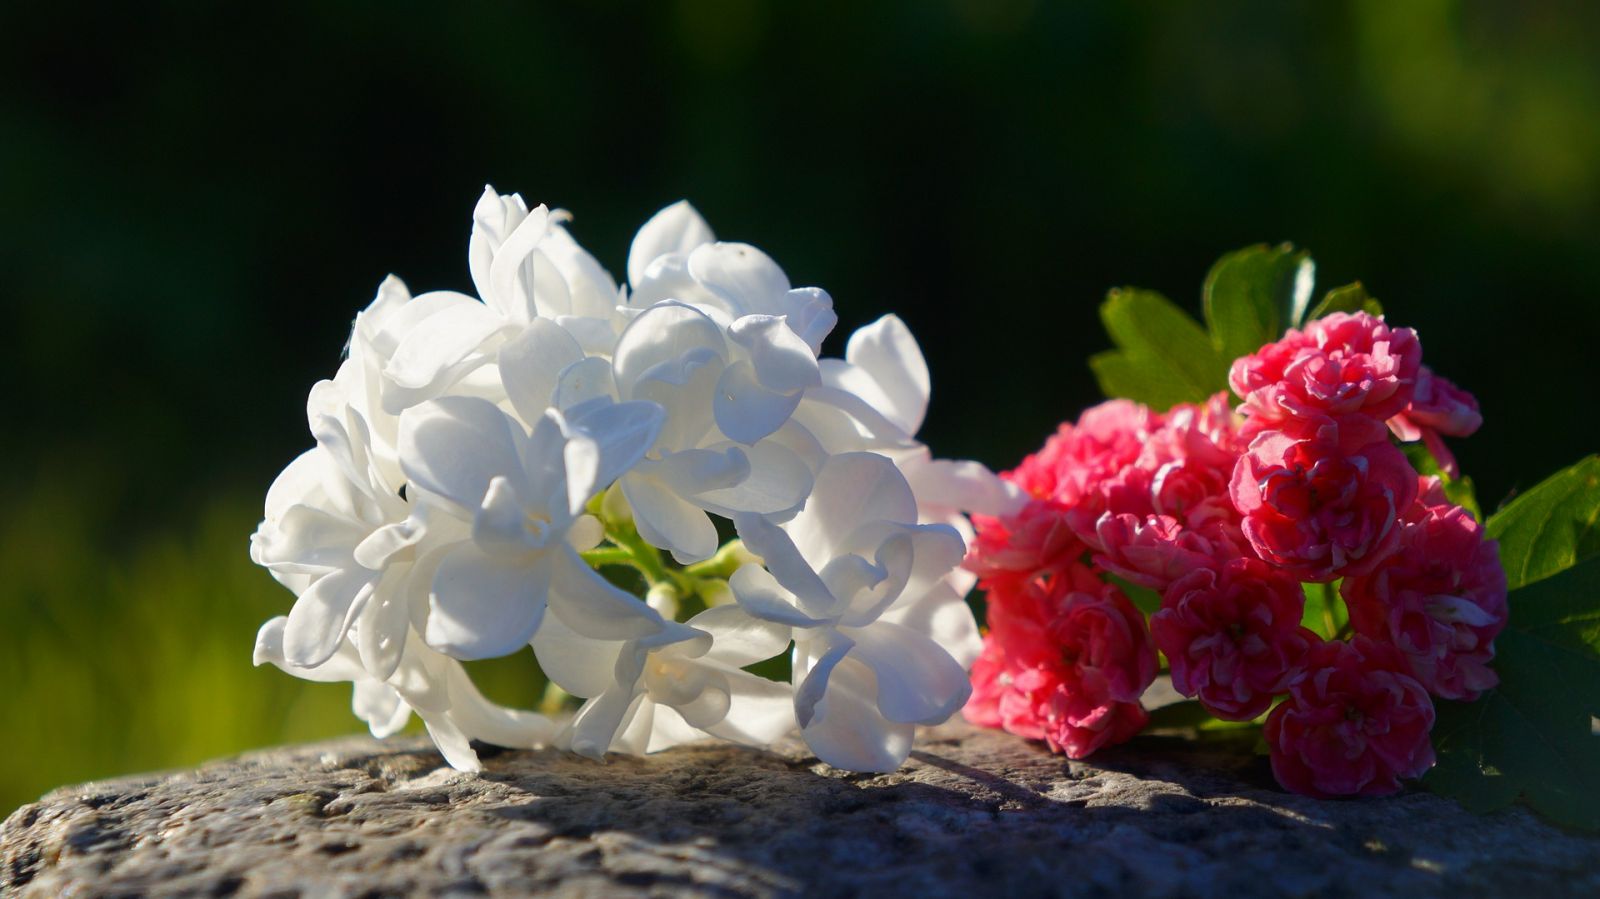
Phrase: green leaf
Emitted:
{"points": [[1551, 527], [1144, 599], [1187, 713], [1324, 612], [1533, 735], [1250, 293], [1349, 298], [1459, 490], [1163, 356]]}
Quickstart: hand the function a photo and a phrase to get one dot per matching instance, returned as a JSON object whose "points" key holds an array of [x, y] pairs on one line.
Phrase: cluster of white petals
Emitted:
{"points": [[483, 463]]}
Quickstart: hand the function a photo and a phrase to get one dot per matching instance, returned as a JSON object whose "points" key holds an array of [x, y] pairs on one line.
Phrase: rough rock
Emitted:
{"points": [[974, 812]]}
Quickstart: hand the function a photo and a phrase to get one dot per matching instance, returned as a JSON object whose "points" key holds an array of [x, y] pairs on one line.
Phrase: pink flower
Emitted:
{"points": [[1034, 543], [1319, 513], [1438, 408], [1354, 725], [1078, 457], [1232, 635], [1169, 510], [1183, 472], [1151, 552], [1440, 600], [1067, 667], [1340, 365]]}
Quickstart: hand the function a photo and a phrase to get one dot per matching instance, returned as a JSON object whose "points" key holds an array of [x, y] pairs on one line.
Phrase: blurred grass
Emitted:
{"points": [[119, 657]]}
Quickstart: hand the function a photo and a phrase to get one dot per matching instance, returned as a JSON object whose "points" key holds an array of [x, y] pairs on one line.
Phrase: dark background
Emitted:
{"points": [[195, 200]]}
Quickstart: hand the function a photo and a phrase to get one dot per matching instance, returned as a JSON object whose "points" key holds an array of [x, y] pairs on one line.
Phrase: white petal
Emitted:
{"points": [[483, 720], [777, 484], [940, 614], [383, 544], [615, 436], [744, 276], [531, 366], [296, 484], [437, 352], [852, 489], [543, 458], [585, 380], [889, 355], [493, 220], [760, 712], [310, 540], [515, 276], [895, 558], [960, 485], [762, 597], [666, 520], [484, 605], [739, 639], [577, 664], [844, 421], [684, 386], [590, 605], [939, 549], [600, 719], [847, 730], [691, 473], [382, 336], [453, 447], [661, 334], [809, 311], [918, 682], [501, 524], [342, 666], [675, 229], [594, 293], [323, 614], [381, 628], [391, 297], [657, 727], [381, 707], [783, 362], [784, 560], [451, 741], [745, 410]]}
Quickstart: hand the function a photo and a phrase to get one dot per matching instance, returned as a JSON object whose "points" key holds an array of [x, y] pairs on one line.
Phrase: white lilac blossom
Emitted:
{"points": [[543, 467]]}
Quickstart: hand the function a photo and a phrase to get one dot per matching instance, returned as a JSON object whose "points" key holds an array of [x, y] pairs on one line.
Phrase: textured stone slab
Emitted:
{"points": [[973, 811]]}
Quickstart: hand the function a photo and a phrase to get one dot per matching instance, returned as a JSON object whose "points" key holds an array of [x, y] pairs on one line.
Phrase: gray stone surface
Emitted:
{"points": [[974, 813]]}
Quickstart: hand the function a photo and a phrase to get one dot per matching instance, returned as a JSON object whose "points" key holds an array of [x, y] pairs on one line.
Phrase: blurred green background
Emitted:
{"points": [[195, 201]]}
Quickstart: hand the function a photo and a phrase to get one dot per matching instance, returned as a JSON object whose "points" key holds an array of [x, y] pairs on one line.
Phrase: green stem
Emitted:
{"points": [[642, 555], [607, 555], [1328, 597], [723, 564]]}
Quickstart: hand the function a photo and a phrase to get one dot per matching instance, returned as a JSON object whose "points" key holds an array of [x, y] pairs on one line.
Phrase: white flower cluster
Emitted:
{"points": [[482, 463]]}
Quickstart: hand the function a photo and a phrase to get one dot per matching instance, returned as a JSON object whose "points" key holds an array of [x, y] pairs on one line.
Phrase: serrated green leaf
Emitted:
{"points": [[1250, 293], [1122, 377], [1532, 736], [1349, 298], [1163, 356], [1551, 527], [1459, 490]]}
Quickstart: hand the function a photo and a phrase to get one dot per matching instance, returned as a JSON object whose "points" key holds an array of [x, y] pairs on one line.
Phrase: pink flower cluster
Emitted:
{"points": [[1226, 515]]}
